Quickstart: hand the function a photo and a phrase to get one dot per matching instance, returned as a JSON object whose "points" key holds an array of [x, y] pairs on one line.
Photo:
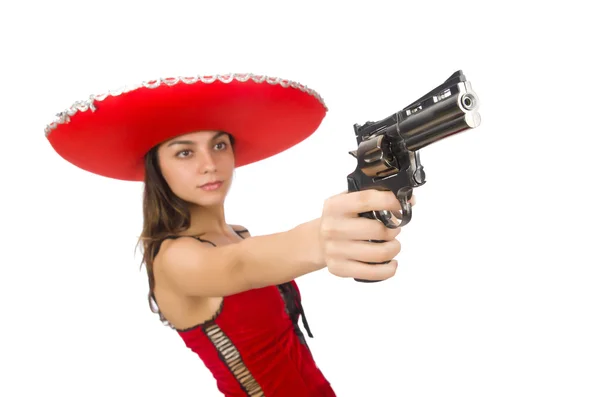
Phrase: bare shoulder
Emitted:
{"points": [[175, 251], [241, 230], [196, 268]]}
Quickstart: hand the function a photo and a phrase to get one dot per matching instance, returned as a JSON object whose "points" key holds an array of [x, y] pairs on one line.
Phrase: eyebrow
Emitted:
{"points": [[183, 142]]}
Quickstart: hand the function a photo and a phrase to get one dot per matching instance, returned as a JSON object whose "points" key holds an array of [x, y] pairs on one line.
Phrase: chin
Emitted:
{"points": [[216, 202], [210, 198]]}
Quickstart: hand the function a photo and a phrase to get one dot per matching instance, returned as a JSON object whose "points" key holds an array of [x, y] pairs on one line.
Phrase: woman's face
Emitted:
{"points": [[198, 167]]}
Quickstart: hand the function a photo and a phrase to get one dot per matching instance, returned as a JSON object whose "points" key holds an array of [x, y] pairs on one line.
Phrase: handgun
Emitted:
{"points": [[388, 150]]}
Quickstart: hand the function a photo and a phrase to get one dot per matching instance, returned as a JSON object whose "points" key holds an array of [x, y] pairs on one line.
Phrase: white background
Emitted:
{"points": [[497, 293]]}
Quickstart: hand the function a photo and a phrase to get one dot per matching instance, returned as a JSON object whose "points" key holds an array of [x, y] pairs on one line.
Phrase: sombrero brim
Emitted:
{"points": [[109, 134]]}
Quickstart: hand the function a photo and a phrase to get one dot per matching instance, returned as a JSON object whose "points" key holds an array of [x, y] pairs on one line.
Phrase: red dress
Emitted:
{"points": [[254, 347]]}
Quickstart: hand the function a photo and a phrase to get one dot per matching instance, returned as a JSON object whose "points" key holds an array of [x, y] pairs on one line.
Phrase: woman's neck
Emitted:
{"points": [[208, 220]]}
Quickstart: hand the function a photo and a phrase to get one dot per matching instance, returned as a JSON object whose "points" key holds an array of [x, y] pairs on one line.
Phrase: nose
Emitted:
{"points": [[207, 163]]}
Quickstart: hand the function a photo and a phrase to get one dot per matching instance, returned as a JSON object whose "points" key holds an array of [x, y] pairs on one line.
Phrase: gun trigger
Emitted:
{"points": [[354, 153]]}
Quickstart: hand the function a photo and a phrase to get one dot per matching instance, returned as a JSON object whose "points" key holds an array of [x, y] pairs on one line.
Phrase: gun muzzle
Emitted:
{"points": [[453, 110]]}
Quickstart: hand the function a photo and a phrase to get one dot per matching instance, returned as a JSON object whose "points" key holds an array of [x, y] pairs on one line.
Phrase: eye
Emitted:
{"points": [[183, 152], [221, 146]]}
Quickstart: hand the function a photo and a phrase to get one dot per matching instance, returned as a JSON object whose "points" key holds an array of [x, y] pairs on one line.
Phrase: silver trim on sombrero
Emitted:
{"points": [[89, 104]]}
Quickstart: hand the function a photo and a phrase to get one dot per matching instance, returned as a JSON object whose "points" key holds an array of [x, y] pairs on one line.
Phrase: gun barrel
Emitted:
{"points": [[440, 117]]}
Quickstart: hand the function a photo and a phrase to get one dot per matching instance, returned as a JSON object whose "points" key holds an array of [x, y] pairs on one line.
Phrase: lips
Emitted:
{"points": [[212, 185]]}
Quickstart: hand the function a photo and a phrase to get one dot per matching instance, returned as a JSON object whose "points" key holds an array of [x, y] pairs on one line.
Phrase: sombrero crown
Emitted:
{"points": [[109, 134]]}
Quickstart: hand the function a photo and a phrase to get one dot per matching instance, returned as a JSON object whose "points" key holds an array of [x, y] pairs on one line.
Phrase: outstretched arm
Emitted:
{"points": [[200, 269], [337, 240]]}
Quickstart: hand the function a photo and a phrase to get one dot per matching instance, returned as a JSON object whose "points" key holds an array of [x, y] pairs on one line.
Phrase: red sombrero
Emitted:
{"points": [[109, 134]]}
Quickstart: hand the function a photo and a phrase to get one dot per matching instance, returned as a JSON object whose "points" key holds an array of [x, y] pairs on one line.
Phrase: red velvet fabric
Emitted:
{"points": [[262, 332]]}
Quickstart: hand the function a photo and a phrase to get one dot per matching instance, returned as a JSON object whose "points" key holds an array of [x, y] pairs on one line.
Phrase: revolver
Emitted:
{"points": [[388, 150]]}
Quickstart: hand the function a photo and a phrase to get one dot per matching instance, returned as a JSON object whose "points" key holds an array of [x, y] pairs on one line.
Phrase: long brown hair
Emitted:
{"points": [[164, 214]]}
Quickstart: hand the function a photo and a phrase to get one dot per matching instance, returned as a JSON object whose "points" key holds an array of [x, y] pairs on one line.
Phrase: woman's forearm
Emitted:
{"points": [[278, 258]]}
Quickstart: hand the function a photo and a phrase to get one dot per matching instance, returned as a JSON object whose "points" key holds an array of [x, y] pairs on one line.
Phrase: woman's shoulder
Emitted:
{"points": [[241, 230]]}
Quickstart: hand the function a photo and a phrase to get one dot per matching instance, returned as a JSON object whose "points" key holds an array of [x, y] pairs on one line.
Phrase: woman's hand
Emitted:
{"points": [[343, 235]]}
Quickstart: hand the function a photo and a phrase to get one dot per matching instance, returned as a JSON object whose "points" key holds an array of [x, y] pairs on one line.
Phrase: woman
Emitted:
{"points": [[231, 297]]}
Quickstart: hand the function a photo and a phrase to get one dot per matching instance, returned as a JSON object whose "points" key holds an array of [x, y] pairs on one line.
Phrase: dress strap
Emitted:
{"points": [[172, 237], [239, 232], [293, 303], [301, 312]]}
